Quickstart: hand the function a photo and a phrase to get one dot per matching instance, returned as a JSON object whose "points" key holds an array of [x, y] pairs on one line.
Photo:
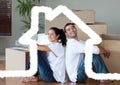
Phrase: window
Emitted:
{"points": [[5, 17]]}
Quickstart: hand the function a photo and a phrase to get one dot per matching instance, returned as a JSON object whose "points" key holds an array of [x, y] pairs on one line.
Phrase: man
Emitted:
{"points": [[75, 56]]}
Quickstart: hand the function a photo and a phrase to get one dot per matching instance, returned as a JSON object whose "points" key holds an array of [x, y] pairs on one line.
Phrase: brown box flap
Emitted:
{"points": [[110, 36]]}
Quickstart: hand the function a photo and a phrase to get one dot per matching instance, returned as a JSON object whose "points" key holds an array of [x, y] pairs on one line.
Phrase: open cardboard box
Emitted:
{"points": [[112, 42]]}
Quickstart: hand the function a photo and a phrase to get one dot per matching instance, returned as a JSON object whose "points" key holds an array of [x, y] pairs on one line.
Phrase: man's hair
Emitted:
{"points": [[67, 25]]}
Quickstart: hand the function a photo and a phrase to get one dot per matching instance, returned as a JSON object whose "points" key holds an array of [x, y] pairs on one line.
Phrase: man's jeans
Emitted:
{"points": [[98, 65]]}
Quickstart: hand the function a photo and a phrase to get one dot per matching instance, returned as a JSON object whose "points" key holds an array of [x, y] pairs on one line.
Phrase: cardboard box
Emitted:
{"points": [[112, 42], [88, 16], [98, 27], [57, 22], [16, 58]]}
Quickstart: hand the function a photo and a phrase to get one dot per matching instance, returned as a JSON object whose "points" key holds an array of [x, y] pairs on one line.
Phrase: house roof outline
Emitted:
{"points": [[50, 15]]}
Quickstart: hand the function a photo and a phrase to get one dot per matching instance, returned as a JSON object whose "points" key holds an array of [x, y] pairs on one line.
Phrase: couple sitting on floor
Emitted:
{"points": [[65, 57]]}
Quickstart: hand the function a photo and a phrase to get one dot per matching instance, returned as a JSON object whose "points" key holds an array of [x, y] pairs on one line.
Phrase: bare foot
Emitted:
{"points": [[30, 79]]}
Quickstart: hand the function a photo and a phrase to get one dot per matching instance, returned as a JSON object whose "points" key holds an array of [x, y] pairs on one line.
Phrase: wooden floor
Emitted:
{"points": [[17, 81]]}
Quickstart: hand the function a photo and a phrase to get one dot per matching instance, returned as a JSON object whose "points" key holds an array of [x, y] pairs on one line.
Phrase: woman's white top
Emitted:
{"points": [[74, 55], [57, 61]]}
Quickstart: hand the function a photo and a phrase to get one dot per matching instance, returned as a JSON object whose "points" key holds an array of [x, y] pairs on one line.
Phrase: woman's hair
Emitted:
{"points": [[67, 25], [62, 37]]}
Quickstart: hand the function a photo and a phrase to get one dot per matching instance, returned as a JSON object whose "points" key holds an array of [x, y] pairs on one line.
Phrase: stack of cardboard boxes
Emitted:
{"points": [[111, 42]]}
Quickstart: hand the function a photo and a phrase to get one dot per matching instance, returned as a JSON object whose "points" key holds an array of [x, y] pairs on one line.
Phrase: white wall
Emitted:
{"points": [[9, 41], [106, 10]]}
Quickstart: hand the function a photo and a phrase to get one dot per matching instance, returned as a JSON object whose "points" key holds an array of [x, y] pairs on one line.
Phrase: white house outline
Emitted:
{"points": [[50, 15]]}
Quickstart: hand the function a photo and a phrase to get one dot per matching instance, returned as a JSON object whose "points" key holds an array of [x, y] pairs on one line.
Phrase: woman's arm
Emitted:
{"points": [[43, 48]]}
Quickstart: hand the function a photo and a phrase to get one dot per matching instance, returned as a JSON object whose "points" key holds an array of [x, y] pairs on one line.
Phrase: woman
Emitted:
{"points": [[51, 66]]}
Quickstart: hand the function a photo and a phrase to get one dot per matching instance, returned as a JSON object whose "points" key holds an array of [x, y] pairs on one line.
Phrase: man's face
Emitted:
{"points": [[71, 31]]}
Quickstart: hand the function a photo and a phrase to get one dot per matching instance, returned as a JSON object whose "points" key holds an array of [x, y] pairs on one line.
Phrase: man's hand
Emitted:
{"points": [[104, 51]]}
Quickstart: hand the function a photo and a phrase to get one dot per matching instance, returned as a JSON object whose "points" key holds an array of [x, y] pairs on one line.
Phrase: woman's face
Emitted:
{"points": [[52, 36]]}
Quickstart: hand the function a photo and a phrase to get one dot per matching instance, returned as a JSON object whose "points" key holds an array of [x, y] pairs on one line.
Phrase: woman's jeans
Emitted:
{"points": [[98, 65], [44, 68]]}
